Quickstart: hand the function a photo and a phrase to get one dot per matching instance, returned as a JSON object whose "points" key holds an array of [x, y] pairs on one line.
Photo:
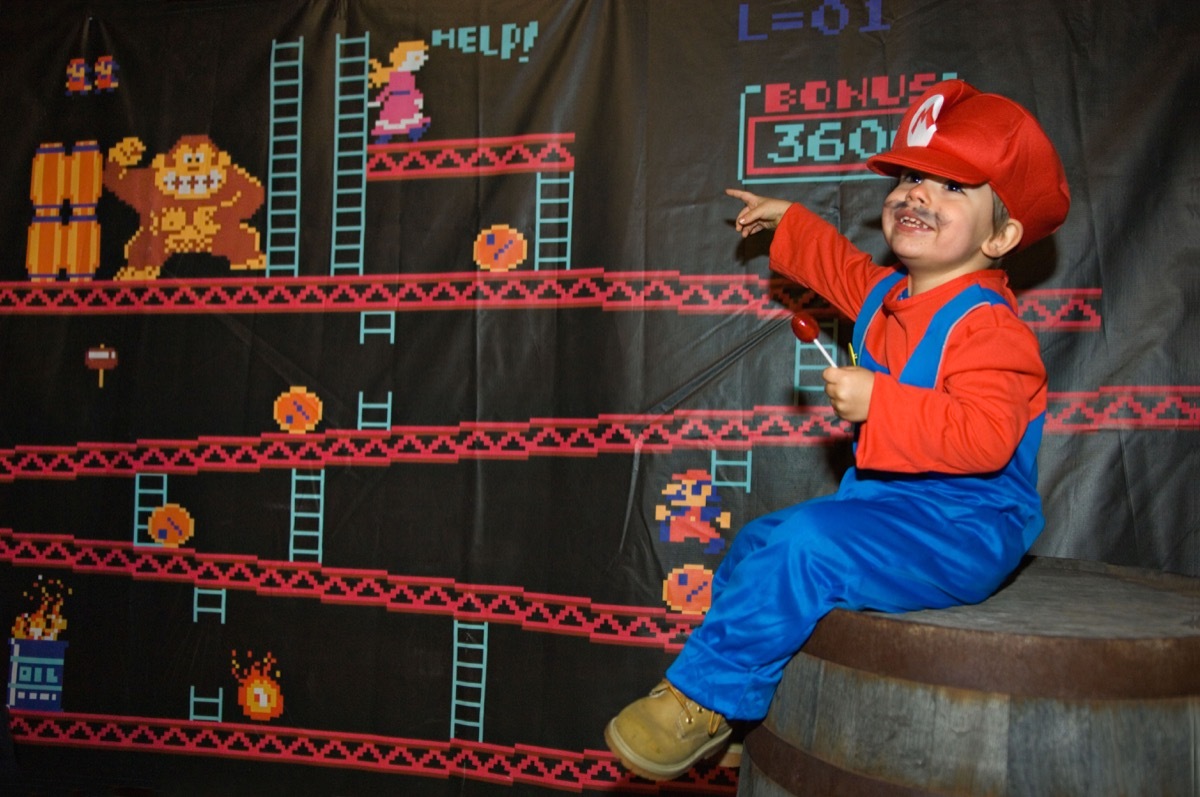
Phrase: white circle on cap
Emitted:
{"points": [[924, 122]]}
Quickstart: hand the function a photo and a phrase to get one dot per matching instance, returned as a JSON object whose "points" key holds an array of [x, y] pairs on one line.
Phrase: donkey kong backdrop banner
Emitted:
{"points": [[383, 381]]}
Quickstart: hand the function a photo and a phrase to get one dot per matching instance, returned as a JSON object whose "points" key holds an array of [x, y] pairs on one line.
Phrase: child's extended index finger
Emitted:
{"points": [[744, 196]]}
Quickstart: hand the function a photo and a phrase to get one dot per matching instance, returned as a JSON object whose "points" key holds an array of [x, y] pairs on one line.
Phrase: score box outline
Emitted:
{"points": [[748, 173]]}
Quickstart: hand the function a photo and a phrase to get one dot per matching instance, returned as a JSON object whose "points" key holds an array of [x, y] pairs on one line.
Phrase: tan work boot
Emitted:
{"points": [[664, 734]]}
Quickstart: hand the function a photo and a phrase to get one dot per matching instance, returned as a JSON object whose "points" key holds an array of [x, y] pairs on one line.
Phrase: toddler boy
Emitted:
{"points": [[948, 394]]}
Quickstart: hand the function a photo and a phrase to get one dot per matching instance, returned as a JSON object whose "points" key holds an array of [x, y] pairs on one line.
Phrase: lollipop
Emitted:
{"points": [[806, 329]]}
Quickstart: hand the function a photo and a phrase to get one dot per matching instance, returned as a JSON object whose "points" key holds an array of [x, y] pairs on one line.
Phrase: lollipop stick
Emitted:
{"points": [[823, 351], [808, 330]]}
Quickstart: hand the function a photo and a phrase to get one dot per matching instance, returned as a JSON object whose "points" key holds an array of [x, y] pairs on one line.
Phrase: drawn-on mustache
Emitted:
{"points": [[924, 215]]}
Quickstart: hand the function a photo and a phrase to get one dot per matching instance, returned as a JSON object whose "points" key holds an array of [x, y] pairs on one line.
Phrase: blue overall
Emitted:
{"points": [[884, 541]]}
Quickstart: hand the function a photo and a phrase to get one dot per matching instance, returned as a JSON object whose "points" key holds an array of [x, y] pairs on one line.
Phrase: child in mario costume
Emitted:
{"points": [[948, 394]]}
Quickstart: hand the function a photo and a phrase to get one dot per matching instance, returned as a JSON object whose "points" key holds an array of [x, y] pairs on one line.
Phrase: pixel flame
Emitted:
{"points": [[259, 694], [47, 620]]}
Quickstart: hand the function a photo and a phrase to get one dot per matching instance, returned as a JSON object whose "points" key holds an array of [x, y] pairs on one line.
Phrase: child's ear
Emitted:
{"points": [[1003, 241]]}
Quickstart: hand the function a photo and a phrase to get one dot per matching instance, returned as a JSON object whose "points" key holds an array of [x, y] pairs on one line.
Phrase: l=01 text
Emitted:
{"points": [[829, 18]]}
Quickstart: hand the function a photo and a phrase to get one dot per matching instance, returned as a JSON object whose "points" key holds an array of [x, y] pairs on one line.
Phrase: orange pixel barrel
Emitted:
{"points": [[65, 233]]}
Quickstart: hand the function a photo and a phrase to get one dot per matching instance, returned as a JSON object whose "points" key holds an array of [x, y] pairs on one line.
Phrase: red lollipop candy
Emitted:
{"points": [[807, 330], [805, 327]]}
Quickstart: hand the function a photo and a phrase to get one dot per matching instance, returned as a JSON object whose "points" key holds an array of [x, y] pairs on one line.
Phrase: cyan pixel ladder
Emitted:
{"points": [[809, 363], [376, 322], [149, 493], [381, 413], [208, 601], [470, 678], [718, 465], [555, 203], [349, 154], [194, 701], [283, 169], [308, 515]]}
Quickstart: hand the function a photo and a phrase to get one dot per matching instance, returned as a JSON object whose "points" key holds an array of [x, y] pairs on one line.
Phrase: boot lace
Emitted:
{"points": [[714, 719]]}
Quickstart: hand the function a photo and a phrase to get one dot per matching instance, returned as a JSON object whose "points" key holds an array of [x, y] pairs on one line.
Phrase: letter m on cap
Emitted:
{"points": [[924, 122]]}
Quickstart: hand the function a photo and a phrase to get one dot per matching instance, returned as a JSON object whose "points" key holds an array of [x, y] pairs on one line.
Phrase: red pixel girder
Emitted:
{"points": [[590, 770], [470, 157], [1057, 310], [556, 437], [555, 614], [1130, 407]]}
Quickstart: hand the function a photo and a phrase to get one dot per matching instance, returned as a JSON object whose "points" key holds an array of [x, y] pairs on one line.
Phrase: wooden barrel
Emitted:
{"points": [[1076, 678]]}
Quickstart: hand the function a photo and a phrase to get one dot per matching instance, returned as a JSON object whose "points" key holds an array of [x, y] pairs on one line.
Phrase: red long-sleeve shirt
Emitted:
{"points": [[992, 380]]}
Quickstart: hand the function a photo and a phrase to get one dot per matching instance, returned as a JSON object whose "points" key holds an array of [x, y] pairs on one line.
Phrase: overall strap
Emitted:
{"points": [[866, 314], [922, 367]]}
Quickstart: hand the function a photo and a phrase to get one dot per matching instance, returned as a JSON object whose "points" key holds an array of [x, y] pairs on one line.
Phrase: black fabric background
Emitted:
{"points": [[651, 92]]}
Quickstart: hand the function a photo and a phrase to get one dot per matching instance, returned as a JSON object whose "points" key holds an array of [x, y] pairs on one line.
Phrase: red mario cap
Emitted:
{"points": [[955, 131]]}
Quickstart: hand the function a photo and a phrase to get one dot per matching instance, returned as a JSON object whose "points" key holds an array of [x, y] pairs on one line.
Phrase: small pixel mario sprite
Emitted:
{"points": [[106, 73], [78, 76], [691, 510]]}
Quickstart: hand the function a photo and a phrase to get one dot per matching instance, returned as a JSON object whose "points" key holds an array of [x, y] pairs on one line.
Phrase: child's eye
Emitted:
{"points": [[910, 177], [951, 185]]}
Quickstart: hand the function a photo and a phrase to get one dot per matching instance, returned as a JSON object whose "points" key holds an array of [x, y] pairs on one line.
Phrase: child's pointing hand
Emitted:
{"points": [[759, 214]]}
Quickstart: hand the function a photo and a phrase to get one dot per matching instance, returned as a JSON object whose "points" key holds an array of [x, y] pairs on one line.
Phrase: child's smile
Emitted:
{"points": [[907, 216], [937, 227]]}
